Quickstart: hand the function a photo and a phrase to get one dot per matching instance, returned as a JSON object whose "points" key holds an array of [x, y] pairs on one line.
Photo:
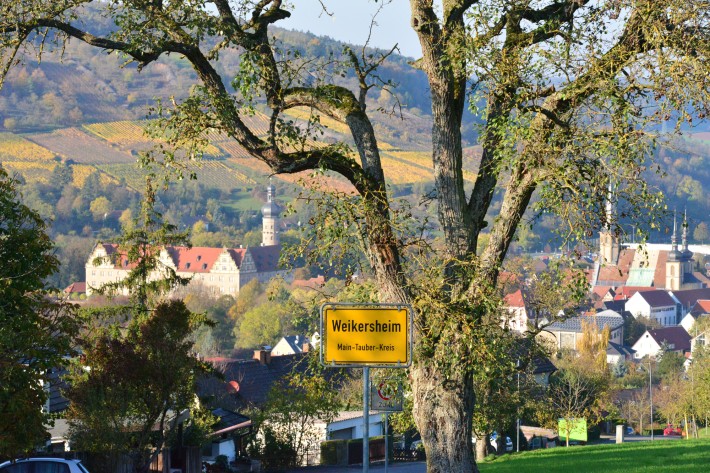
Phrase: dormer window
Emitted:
{"points": [[187, 265], [199, 257], [204, 265]]}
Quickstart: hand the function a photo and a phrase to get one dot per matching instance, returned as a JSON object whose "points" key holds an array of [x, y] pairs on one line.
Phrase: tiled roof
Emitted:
{"points": [[676, 336], [659, 279], [616, 349], [254, 380], [627, 291], [616, 306], [689, 297], [198, 259], [574, 324], [602, 291], [701, 307], [201, 259], [657, 298], [76, 287], [266, 258], [515, 299], [616, 275], [313, 283]]}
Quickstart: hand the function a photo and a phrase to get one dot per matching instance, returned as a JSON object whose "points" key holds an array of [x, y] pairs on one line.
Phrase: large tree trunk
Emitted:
{"points": [[442, 411]]}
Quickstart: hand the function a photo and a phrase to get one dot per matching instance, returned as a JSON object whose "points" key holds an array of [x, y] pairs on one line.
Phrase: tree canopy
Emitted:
{"points": [[568, 92], [36, 331]]}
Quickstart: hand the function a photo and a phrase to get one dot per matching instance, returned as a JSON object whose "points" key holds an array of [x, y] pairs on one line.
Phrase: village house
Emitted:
{"points": [[567, 334], [653, 305], [665, 339]]}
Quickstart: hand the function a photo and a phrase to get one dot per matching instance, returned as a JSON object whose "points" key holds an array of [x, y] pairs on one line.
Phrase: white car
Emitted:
{"points": [[494, 442], [43, 465]]}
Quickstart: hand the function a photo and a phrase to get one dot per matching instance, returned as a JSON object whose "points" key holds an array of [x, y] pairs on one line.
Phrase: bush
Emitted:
{"points": [[274, 454]]}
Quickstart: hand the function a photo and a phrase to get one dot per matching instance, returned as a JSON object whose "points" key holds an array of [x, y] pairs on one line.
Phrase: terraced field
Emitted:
{"points": [[214, 174], [112, 147], [74, 144], [130, 136], [16, 148]]}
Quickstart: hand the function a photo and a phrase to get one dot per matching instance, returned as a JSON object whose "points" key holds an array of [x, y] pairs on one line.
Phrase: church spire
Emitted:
{"points": [[674, 255]]}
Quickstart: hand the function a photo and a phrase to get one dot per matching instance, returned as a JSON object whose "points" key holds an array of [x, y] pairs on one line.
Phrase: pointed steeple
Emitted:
{"points": [[609, 247], [610, 210], [674, 254]]}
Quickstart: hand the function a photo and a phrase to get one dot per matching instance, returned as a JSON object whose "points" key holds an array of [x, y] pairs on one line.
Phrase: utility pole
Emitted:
{"points": [[650, 393]]}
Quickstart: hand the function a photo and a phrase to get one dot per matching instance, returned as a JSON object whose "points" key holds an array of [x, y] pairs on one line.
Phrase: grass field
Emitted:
{"points": [[667, 456]]}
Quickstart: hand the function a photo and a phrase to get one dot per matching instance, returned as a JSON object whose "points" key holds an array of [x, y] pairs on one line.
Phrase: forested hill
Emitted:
{"points": [[88, 85]]}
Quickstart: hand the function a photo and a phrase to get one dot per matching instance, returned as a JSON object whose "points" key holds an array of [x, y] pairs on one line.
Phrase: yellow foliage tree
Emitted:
{"points": [[591, 347]]}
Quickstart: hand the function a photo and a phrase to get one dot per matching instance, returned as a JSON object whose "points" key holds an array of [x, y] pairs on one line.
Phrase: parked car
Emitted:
{"points": [[630, 430], [494, 442], [670, 430], [417, 450], [43, 465]]}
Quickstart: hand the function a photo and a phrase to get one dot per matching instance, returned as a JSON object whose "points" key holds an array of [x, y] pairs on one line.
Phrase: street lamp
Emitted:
{"points": [[650, 390], [650, 393], [517, 421]]}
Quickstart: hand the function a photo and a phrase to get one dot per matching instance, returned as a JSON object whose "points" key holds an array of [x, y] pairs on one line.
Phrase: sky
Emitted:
{"points": [[351, 20]]}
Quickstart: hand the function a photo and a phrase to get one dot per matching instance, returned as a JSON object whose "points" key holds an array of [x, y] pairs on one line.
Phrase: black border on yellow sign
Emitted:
{"points": [[374, 363]]}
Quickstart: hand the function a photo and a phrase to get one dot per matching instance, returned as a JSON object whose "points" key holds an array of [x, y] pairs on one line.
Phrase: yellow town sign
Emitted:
{"points": [[366, 335]]}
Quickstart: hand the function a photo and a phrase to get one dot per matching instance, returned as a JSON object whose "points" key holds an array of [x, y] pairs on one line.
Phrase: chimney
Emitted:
{"points": [[263, 356], [306, 347]]}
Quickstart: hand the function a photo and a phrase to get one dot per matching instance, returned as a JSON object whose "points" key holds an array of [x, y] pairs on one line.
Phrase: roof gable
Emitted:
{"points": [[676, 337], [657, 298]]}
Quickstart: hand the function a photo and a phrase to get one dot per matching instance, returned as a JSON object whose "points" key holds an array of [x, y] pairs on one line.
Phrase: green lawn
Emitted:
{"points": [[634, 457]]}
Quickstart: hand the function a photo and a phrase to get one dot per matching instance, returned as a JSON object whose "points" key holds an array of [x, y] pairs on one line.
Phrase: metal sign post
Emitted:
{"points": [[387, 450], [368, 336], [366, 418]]}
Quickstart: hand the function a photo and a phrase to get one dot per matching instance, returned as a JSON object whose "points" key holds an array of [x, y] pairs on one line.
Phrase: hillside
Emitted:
{"points": [[89, 112]]}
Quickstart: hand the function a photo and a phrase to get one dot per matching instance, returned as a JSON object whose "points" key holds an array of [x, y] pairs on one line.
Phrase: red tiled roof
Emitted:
{"points": [[619, 273], [76, 287], [515, 299], [312, 282], [201, 259], [701, 307], [627, 291], [602, 291], [659, 275], [198, 259]]}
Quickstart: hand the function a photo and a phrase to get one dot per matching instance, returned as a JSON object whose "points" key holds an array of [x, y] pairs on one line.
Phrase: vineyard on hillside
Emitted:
{"points": [[211, 174], [130, 136], [16, 148], [74, 144]]}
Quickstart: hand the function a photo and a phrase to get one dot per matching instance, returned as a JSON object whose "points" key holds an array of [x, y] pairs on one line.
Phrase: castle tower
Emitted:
{"points": [[608, 241], [674, 266], [270, 212]]}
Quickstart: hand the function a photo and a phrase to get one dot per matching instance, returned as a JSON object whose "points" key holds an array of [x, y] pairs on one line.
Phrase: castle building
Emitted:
{"points": [[219, 270]]}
